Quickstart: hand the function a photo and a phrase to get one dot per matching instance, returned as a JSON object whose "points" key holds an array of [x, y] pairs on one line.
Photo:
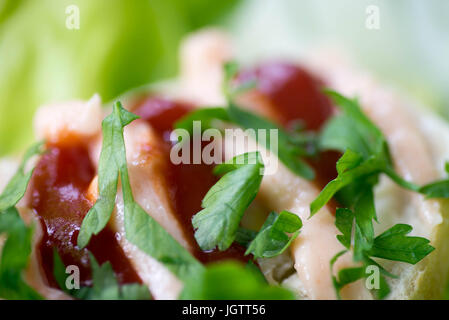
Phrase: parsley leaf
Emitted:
{"points": [[207, 117], [150, 237], [393, 244], [364, 214], [15, 256], [111, 162], [16, 187], [365, 157], [346, 276], [438, 189], [140, 228], [272, 239], [350, 275], [245, 236], [230, 280], [365, 149], [288, 150], [351, 129], [350, 169], [105, 285], [344, 219], [16, 250], [226, 202]]}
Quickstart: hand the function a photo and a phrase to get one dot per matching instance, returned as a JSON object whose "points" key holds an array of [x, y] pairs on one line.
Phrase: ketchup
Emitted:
{"points": [[58, 190], [296, 95], [293, 92]]}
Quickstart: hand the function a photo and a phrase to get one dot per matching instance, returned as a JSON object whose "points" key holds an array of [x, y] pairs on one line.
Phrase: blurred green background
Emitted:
{"points": [[122, 44]]}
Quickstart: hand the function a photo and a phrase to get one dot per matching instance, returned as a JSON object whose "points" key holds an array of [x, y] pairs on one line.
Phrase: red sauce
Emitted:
{"points": [[296, 95], [58, 189], [293, 92]]}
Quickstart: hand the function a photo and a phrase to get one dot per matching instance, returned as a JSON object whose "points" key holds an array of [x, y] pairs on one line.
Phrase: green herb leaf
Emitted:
{"points": [[105, 285], [230, 280], [352, 130], [245, 236], [288, 150], [150, 237], [349, 275], [365, 157], [393, 244], [335, 281], [438, 189], [59, 272], [108, 170], [344, 219], [371, 166], [226, 202], [15, 189], [272, 238], [364, 213], [207, 116], [365, 148], [140, 228], [16, 250], [366, 153], [15, 256]]}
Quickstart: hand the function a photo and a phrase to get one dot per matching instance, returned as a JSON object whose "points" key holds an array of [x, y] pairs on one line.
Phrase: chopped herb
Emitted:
{"points": [[365, 154], [231, 281], [394, 244], [16, 250], [272, 238], [245, 236], [288, 150], [207, 116], [140, 228], [350, 275], [225, 203], [15, 257], [439, 189], [16, 187], [365, 157], [104, 283], [344, 218], [110, 164]]}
